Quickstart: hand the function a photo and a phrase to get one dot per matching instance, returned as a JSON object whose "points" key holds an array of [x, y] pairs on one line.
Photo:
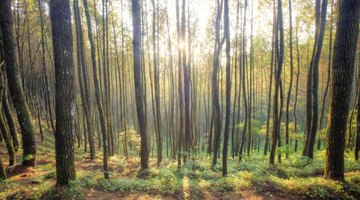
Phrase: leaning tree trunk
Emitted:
{"points": [[10, 120], [341, 85], [60, 16], [14, 84], [3, 126]]}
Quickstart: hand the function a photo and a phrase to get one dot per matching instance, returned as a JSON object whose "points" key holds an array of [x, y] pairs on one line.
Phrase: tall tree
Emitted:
{"points": [[138, 83], [341, 86], [186, 72], [43, 63], [215, 84], [157, 113], [228, 85], [268, 115], [83, 78], [291, 82], [60, 16], [97, 91], [279, 46], [180, 86], [14, 84], [313, 80], [322, 112], [243, 73]]}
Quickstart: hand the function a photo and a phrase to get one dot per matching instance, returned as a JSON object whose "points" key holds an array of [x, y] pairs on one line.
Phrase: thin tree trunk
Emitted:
{"points": [[228, 86], [290, 84], [83, 79], [43, 62], [322, 112], [243, 67], [215, 85], [10, 120], [312, 125], [97, 92], [266, 147], [279, 46], [3, 126]]}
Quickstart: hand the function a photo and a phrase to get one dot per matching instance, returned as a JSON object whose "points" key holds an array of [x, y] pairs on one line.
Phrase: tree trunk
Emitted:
{"points": [[290, 84], [10, 120], [215, 85], [357, 143], [2, 171], [3, 126], [243, 73], [43, 62], [314, 73], [138, 83], [266, 147], [322, 112], [97, 92], [65, 92], [14, 84], [341, 85], [83, 79], [279, 46], [228, 86]]}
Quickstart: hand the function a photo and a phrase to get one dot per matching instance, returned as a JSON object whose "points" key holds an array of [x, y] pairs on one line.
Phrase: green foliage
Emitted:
{"points": [[230, 184], [74, 191], [165, 183], [28, 157]]}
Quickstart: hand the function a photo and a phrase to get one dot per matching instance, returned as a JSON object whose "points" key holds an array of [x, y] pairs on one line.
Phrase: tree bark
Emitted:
{"points": [[14, 84], [313, 86], [228, 86], [341, 85], [279, 46], [138, 83], [60, 16]]}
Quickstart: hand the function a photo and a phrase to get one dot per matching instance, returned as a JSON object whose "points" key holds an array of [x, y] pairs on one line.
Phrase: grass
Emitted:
{"points": [[297, 177]]}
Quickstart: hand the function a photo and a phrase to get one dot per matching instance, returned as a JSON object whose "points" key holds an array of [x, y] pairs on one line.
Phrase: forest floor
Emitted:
{"points": [[253, 178]]}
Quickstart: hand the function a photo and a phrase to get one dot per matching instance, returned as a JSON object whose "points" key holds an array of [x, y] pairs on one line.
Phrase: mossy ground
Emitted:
{"points": [[253, 178]]}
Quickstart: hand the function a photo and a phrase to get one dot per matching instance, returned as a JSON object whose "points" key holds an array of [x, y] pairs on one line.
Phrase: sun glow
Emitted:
{"points": [[182, 45]]}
